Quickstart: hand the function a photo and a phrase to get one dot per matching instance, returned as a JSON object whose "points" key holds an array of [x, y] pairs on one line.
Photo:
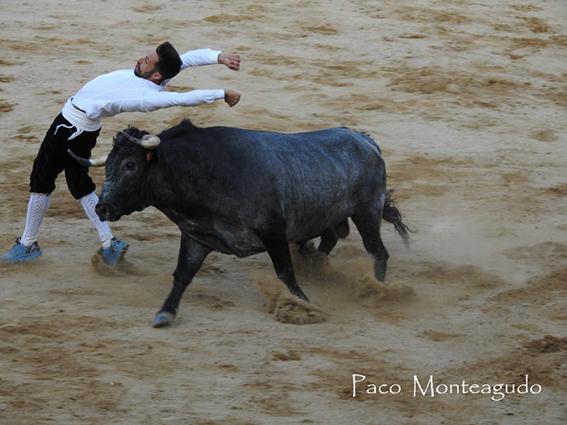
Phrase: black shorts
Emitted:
{"points": [[53, 158]]}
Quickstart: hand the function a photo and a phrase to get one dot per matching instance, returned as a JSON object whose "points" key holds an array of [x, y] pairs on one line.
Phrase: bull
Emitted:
{"points": [[242, 192]]}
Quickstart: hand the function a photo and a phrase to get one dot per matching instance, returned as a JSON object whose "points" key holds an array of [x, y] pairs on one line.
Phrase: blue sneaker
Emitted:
{"points": [[19, 253], [113, 254]]}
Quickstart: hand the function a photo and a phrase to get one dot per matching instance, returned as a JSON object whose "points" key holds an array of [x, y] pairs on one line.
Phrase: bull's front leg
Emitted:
{"points": [[278, 250], [191, 257]]}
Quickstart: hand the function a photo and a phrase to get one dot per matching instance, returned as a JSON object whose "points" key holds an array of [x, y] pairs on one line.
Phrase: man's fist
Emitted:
{"points": [[231, 97], [230, 60]]}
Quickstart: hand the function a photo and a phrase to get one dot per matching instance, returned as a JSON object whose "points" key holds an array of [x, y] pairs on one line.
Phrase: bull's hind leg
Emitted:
{"points": [[330, 237], [368, 225], [278, 250], [329, 240], [191, 257]]}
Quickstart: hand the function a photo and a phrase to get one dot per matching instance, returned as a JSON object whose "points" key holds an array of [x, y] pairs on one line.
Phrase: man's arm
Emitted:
{"points": [[202, 57], [199, 57], [162, 99]]}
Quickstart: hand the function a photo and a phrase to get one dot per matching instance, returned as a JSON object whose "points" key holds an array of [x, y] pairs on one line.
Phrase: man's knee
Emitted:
{"points": [[82, 187], [41, 183]]}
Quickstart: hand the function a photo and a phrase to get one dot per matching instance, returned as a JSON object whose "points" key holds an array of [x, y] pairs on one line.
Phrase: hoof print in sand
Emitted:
{"points": [[290, 309], [371, 293]]}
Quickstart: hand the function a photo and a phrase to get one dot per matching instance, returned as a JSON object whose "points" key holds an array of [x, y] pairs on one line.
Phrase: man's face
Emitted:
{"points": [[146, 66]]}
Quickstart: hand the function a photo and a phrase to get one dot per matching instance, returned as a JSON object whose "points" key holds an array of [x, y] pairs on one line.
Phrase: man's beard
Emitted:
{"points": [[144, 75]]}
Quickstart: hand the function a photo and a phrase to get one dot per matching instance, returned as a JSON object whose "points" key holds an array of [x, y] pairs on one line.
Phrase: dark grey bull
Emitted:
{"points": [[242, 192]]}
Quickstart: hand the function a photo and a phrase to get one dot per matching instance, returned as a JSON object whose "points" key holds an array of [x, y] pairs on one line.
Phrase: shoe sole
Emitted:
{"points": [[21, 260], [123, 253], [120, 256]]}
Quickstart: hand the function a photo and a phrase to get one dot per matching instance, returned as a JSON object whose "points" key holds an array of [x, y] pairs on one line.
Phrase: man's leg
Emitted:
{"points": [[26, 248], [46, 166], [103, 229], [37, 208], [82, 188]]}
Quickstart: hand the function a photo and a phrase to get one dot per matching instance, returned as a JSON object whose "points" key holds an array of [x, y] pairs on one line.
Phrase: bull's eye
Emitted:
{"points": [[130, 165]]}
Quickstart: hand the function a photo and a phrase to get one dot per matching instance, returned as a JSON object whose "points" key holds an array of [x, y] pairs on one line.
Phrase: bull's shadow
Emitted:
{"points": [[242, 192]]}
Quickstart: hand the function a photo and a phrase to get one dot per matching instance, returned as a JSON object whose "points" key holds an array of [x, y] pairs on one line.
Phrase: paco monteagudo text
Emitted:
{"points": [[428, 387]]}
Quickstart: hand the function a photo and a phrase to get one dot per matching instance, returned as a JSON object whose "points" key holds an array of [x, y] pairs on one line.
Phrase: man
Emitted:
{"points": [[78, 125]]}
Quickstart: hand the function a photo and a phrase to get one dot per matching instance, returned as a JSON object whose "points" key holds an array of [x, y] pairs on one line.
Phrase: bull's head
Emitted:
{"points": [[126, 174]]}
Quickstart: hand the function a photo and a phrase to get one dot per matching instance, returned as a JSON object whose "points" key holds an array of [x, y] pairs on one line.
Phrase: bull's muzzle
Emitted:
{"points": [[103, 211]]}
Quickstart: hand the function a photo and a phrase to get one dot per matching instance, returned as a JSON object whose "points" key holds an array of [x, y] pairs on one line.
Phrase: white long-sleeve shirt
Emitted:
{"points": [[122, 91]]}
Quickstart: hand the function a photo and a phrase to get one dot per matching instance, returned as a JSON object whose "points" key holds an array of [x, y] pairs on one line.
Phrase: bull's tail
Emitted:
{"points": [[392, 215]]}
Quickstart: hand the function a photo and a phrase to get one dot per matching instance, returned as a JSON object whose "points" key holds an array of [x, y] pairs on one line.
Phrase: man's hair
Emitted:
{"points": [[169, 62]]}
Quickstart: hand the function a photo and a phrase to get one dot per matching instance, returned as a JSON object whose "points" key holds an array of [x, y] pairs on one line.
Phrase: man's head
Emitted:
{"points": [[160, 65]]}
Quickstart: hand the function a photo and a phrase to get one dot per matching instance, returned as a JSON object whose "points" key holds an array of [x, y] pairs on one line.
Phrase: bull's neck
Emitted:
{"points": [[157, 189], [161, 186]]}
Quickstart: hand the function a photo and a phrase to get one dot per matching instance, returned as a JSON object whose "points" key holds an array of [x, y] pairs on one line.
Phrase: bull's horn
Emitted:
{"points": [[87, 162], [148, 141]]}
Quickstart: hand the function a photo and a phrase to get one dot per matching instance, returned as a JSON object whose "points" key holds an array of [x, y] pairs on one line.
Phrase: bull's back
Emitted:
{"points": [[305, 158], [319, 178], [313, 179]]}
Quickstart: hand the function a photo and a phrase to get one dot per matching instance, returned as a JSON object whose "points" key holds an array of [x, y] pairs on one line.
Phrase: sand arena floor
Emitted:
{"points": [[468, 102]]}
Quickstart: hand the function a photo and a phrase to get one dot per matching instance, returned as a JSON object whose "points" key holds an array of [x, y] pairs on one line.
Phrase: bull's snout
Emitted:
{"points": [[103, 211]]}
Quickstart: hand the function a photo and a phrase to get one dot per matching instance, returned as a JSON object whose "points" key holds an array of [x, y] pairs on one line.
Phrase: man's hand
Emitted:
{"points": [[230, 60], [231, 97]]}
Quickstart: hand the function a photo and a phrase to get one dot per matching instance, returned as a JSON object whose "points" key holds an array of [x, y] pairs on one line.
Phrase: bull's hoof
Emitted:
{"points": [[380, 272], [162, 319], [319, 258], [307, 249], [300, 294]]}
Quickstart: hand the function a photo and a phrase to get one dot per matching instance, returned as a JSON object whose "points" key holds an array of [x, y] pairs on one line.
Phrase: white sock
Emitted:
{"points": [[37, 207], [89, 203]]}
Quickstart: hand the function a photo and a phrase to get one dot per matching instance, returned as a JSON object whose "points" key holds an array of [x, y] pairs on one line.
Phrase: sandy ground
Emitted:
{"points": [[468, 101]]}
